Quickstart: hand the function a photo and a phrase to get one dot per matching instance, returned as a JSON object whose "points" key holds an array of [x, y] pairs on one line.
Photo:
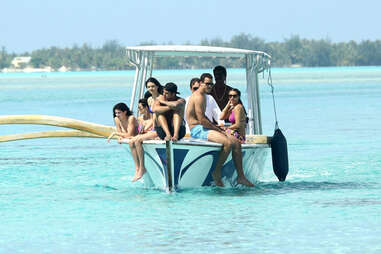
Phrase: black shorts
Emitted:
{"points": [[160, 132]]}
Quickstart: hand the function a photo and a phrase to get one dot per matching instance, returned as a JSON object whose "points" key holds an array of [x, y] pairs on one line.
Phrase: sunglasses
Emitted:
{"points": [[209, 84], [233, 95]]}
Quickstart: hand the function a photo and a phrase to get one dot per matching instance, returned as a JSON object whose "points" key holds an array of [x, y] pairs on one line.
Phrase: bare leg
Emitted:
{"points": [[237, 159], [164, 125], [134, 155], [218, 137], [176, 126], [140, 152]]}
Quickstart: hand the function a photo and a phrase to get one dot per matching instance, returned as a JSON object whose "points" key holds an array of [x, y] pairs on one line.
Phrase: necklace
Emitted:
{"points": [[223, 95]]}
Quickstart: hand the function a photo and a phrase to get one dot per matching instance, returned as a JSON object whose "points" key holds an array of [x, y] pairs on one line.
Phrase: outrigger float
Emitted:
{"points": [[187, 163]]}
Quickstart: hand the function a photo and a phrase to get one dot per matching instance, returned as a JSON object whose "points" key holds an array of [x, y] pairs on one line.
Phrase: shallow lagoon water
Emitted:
{"points": [[74, 195]]}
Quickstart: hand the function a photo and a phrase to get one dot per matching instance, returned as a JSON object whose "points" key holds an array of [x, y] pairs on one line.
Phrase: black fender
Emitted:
{"points": [[279, 155]]}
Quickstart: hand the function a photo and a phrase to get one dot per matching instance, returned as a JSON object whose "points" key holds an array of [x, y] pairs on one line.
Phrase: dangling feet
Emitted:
{"points": [[217, 178], [136, 173], [139, 174]]}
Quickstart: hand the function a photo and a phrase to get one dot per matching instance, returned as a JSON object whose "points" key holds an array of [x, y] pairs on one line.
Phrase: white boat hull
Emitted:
{"points": [[192, 162]]}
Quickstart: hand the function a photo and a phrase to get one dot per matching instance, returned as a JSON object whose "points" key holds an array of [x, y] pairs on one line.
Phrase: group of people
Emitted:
{"points": [[165, 115]]}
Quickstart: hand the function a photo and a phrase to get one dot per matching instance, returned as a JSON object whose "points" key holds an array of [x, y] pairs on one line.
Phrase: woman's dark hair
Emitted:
{"points": [[239, 94], [157, 83], [240, 102], [144, 102], [122, 107]]}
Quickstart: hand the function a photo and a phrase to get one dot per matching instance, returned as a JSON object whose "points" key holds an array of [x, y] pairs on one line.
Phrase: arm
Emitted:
{"points": [[199, 105], [132, 126], [157, 108], [177, 104], [148, 126], [119, 129], [226, 111]]}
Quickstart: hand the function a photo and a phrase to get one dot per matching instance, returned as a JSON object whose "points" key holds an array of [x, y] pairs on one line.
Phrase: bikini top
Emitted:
{"points": [[232, 118]]}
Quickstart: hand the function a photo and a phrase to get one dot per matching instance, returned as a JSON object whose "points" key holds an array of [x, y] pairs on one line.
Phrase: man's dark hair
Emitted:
{"points": [[221, 69], [206, 75], [193, 80]]}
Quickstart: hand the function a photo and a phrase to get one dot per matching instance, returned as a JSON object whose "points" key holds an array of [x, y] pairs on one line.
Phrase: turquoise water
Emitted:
{"points": [[71, 195]]}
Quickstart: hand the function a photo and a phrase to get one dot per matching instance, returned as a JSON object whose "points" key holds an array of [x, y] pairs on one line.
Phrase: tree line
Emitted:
{"points": [[293, 51]]}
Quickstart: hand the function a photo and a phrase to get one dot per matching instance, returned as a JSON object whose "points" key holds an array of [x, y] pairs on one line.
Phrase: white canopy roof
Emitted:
{"points": [[255, 62], [189, 50]]}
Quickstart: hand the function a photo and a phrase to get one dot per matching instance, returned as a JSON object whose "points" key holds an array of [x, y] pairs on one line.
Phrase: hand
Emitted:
{"points": [[131, 140], [231, 106], [174, 138], [109, 137]]}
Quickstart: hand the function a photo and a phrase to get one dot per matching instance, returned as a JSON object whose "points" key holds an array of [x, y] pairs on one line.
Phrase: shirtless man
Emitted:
{"points": [[169, 111], [202, 128], [212, 111]]}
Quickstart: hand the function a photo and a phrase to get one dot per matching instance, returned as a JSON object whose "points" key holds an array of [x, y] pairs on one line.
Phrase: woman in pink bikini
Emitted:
{"points": [[146, 131], [235, 113]]}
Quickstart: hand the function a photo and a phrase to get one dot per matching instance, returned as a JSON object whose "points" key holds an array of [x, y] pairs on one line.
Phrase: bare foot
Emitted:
{"points": [[136, 173], [139, 174], [217, 179], [167, 138], [243, 180], [175, 138], [134, 179]]}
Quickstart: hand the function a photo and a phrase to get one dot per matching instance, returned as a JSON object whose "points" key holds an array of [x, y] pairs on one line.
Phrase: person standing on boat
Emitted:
{"points": [[169, 111], [220, 90], [235, 114], [202, 128], [125, 122], [212, 111], [146, 131]]}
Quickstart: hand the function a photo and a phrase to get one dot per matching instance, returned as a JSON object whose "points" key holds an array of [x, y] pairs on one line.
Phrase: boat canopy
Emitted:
{"points": [[255, 62]]}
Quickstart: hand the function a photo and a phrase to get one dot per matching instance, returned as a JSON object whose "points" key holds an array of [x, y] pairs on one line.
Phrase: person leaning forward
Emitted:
{"points": [[202, 128], [169, 111]]}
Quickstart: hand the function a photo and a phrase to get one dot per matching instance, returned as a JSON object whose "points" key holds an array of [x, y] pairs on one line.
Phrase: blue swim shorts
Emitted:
{"points": [[199, 132]]}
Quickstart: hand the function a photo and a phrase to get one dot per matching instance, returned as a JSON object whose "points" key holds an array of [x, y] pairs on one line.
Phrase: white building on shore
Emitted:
{"points": [[20, 60], [21, 64]]}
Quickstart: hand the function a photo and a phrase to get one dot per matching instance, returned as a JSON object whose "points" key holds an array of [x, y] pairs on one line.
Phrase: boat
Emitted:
{"points": [[188, 163]]}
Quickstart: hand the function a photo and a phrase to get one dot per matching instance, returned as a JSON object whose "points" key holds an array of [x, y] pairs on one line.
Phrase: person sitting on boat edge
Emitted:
{"points": [[146, 132], [202, 128], [169, 111], [235, 113], [145, 119], [154, 89], [212, 111], [125, 122]]}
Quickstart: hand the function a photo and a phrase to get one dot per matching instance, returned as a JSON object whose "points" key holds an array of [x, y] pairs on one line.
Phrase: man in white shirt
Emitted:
{"points": [[212, 111]]}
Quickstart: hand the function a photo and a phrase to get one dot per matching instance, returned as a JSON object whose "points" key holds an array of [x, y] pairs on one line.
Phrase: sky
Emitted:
{"points": [[27, 25]]}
